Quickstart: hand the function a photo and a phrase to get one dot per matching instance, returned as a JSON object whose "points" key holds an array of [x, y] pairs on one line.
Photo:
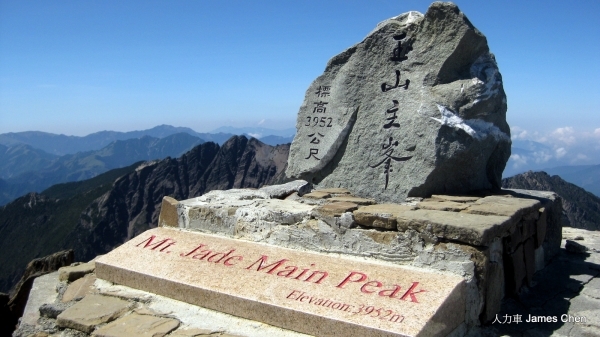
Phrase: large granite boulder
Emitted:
{"points": [[416, 108]]}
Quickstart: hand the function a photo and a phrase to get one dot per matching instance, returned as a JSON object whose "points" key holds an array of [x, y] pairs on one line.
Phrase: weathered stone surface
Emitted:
{"points": [[494, 293], [442, 205], [336, 208], [380, 216], [52, 310], [35, 268], [317, 195], [516, 271], [514, 240], [504, 205], [529, 257], [72, 273], [79, 288], [276, 297], [138, 325], [42, 291], [553, 207], [455, 198], [354, 200], [468, 228], [300, 187], [234, 194], [416, 108], [91, 311], [334, 190], [168, 212], [194, 333]]}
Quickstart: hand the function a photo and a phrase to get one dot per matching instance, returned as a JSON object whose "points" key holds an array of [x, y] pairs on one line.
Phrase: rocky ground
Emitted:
{"points": [[567, 290]]}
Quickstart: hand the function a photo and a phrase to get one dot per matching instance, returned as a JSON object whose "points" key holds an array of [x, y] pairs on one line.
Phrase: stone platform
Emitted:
{"points": [[573, 293], [494, 242], [462, 255]]}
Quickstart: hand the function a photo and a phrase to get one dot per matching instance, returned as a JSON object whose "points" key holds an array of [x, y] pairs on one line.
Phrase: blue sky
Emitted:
{"points": [[77, 67]]}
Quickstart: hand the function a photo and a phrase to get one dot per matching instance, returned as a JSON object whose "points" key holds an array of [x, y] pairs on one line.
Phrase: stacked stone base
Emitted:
{"points": [[495, 242]]}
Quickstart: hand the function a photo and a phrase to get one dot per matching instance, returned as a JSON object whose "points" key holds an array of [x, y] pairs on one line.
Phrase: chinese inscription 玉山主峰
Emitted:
{"points": [[386, 87], [399, 53], [391, 121], [318, 121], [388, 157]]}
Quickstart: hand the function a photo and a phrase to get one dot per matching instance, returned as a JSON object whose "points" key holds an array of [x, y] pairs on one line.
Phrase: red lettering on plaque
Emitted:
{"points": [[212, 257], [193, 251], [237, 257], [324, 275], [349, 278], [375, 284], [294, 293], [203, 254], [149, 241], [264, 259], [410, 292], [287, 271], [215, 257], [391, 293]]}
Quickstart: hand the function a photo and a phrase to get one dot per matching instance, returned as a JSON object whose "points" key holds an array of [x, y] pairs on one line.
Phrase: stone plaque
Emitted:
{"points": [[317, 294]]}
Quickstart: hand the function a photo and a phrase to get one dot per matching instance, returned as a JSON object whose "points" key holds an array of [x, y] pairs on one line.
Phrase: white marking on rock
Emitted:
{"points": [[476, 128]]}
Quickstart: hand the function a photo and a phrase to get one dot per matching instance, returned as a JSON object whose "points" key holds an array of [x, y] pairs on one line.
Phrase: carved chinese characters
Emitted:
{"points": [[318, 121], [391, 121], [417, 108], [322, 125]]}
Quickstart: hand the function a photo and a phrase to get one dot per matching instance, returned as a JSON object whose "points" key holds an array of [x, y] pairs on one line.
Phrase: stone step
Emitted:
{"points": [[317, 294]]}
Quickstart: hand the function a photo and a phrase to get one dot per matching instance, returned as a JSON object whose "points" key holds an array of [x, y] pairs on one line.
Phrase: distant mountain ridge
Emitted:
{"points": [[96, 215], [257, 132], [584, 176], [20, 158], [85, 165], [62, 144]]}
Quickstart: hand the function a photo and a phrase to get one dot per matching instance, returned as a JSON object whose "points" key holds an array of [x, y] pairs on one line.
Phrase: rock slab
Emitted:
{"points": [[91, 311], [311, 293], [416, 108]]}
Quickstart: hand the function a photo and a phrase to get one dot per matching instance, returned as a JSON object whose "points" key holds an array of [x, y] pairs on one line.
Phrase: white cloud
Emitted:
{"points": [[518, 161], [261, 122], [541, 157], [518, 133], [561, 146], [565, 135]]}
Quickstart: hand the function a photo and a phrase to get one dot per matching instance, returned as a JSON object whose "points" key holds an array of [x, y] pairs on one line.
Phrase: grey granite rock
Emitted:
{"points": [[281, 191], [416, 108]]}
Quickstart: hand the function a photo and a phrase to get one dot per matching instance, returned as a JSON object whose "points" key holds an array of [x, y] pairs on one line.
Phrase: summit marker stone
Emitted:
{"points": [[416, 108]]}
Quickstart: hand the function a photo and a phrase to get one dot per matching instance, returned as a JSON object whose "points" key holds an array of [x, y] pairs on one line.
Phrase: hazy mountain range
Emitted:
{"points": [[62, 144], [93, 216], [46, 170], [32, 161]]}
